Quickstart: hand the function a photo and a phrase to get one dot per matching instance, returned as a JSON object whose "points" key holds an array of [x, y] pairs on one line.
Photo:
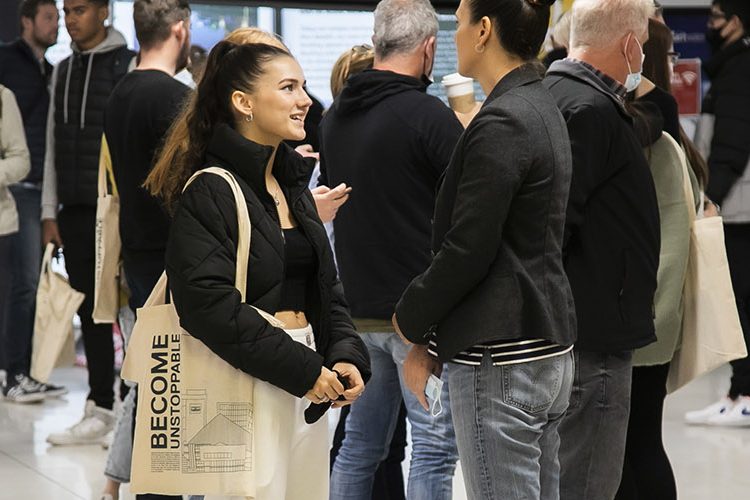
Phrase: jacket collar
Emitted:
{"points": [[522, 75], [248, 159], [577, 71], [26, 50]]}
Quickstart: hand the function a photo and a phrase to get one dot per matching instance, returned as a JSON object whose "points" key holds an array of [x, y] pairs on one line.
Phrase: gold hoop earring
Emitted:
{"points": [[249, 117], [479, 48]]}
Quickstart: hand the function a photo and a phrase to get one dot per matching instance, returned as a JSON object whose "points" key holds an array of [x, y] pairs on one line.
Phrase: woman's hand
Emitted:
{"points": [[355, 382], [327, 388], [465, 118], [710, 209], [418, 367], [328, 201]]}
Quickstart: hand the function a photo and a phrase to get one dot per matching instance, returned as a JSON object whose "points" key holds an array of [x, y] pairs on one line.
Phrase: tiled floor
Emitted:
{"points": [[710, 464]]}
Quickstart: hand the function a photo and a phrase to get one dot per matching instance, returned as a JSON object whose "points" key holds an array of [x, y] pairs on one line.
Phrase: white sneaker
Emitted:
{"points": [[702, 417], [94, 425], [738, 416]]}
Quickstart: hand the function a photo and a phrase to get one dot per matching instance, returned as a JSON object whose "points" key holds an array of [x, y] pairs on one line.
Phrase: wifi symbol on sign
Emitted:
{"points": [[689, 77]]}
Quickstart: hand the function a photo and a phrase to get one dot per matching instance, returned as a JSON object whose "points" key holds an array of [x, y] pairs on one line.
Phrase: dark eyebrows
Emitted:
{"points": [[292, 80]]}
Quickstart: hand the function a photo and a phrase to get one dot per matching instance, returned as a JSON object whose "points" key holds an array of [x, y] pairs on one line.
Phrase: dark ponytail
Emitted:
{"points": [[521, 24], [229, 67]]}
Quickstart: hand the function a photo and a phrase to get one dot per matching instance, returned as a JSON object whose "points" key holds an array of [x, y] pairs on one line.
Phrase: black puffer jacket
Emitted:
{"points": [[201, 263]]}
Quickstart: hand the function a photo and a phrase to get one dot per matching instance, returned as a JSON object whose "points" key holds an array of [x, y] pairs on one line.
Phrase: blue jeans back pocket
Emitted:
{"points": [[533, 386]]}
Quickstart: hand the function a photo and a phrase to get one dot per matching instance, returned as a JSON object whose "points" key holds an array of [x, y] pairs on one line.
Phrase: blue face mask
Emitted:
{"points": [[633, 80]]}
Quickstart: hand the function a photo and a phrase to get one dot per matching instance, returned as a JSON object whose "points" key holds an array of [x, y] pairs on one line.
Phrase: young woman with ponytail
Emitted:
{"points": [[248, 102]]}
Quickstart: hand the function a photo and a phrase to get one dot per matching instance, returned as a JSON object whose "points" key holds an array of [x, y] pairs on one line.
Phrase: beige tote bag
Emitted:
{"points": [[107, 241], [711, 330], [194, 425], [56, 303]]}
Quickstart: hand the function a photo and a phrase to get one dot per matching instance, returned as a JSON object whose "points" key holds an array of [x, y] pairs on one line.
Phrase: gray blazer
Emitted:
{"points": [[497, 273]]}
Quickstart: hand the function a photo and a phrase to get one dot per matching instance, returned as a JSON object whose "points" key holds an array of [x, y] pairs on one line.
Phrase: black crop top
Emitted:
{"points": [[299, 257]]}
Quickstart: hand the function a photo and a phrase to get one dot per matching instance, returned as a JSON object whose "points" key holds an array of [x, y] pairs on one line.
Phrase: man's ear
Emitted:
{"points": [[103, 14], [430, 47]]}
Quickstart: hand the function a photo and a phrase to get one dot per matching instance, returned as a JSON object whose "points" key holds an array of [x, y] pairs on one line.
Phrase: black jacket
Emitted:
{"points": [[391, 141], [22, 73], [201, 263], [498, 230], [728, 100], [612, 236]]}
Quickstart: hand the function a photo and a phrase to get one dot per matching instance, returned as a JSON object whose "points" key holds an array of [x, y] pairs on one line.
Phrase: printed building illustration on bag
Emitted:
{"points": [[223, 444]]}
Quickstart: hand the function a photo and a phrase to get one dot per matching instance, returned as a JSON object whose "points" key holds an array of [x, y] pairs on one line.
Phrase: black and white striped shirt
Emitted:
{"points": [[506, 352]]}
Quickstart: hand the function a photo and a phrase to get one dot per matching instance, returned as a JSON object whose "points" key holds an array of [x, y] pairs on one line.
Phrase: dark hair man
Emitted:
{"points": [[722, 137], [80, 87], [138, 114], [25, 71]]}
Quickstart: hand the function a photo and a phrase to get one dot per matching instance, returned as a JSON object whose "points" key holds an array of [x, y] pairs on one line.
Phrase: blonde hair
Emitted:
{"points": [[165, 179], [351, 62], [243, 36], [561, 30], [600, 23]]}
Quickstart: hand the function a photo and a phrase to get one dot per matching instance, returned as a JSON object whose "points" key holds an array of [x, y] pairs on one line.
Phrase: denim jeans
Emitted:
{"points": [[593, 432], [371, 423], [26, 260], [506, 420], [6, 246]]}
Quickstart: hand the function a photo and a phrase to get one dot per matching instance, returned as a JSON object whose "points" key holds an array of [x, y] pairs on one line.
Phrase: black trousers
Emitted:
{"points": [[77, 226], [389, 477], [737, 239], [647, 473]]}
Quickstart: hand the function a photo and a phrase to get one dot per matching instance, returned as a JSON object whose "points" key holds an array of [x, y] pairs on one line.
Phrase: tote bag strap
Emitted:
{"points": [[105, 170], [243, 225], [46, 261], [687, 187]]}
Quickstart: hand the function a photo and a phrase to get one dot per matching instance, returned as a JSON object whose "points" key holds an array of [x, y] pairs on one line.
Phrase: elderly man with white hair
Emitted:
{"points": [[612, 237]]}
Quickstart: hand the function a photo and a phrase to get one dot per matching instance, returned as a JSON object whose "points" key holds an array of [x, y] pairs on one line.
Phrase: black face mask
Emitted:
{"points": [[714, 39]]}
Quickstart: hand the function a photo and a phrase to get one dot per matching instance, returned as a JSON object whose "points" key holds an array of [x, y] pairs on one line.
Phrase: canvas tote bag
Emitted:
{"points": [[194, 425], [107, 241], [711, 330], [56, 303]]}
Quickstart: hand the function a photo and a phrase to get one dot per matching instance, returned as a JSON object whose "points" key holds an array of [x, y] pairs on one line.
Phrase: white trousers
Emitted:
{"points": [[292, 457]]}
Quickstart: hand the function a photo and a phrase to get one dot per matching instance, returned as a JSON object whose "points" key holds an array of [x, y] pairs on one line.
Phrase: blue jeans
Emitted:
{"points": [[371, 423], [594, 430], [26, 260], [506, 420]]}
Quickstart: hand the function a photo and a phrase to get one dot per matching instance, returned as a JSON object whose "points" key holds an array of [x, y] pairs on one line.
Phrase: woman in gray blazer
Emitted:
{"points": [[495, 302]]}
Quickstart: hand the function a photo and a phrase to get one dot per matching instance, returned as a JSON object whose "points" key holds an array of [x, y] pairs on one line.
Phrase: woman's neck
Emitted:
{"points": [[495, 69], [253, 134]]}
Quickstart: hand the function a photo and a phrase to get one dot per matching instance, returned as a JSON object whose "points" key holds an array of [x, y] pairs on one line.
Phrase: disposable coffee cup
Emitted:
{"points": [[460, 92]]}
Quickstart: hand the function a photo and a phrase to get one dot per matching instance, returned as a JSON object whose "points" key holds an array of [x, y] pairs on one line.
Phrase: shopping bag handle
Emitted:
{"points": [[243, 225], [105, 170]]}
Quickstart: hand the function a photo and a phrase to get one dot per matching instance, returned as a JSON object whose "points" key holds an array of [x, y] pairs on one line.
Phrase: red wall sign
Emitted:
{"points": [[686, 86]]}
